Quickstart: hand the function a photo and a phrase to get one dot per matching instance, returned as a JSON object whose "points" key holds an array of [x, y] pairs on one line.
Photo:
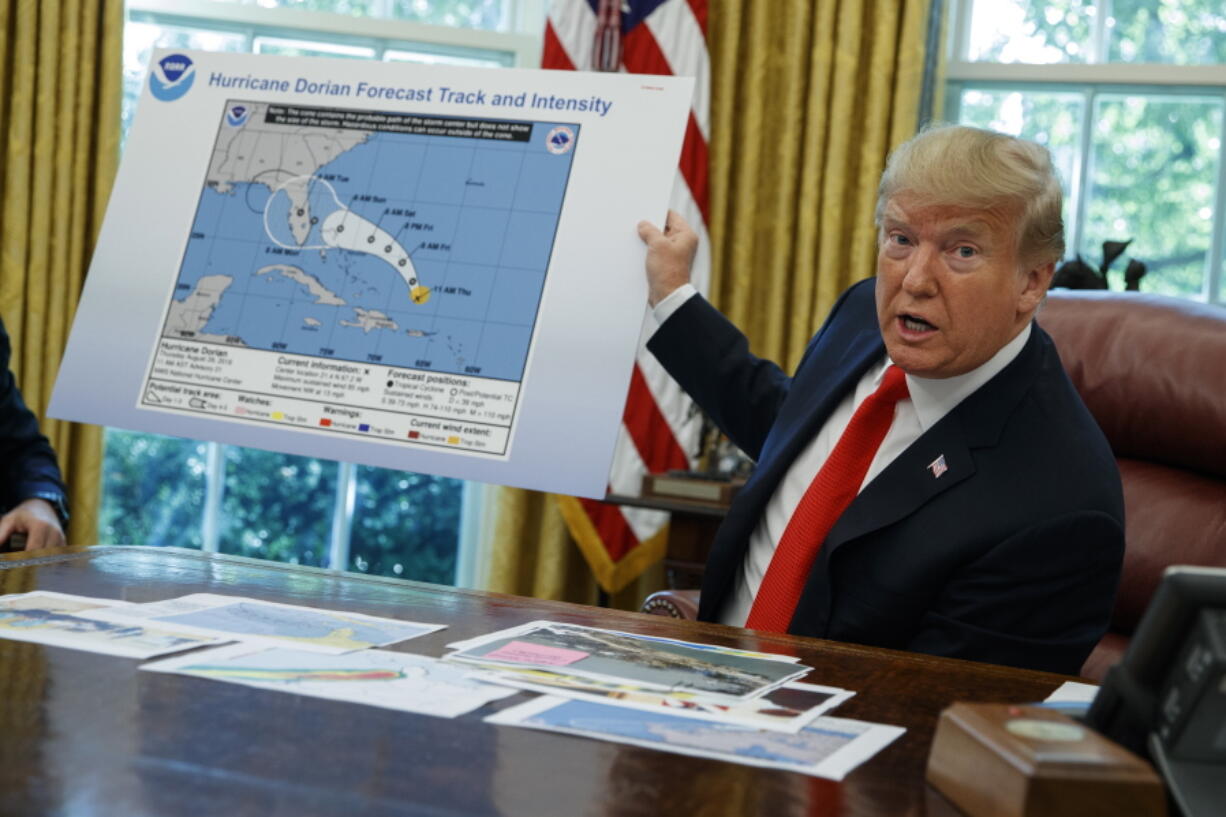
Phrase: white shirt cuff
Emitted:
{"points": [[672, 302]]}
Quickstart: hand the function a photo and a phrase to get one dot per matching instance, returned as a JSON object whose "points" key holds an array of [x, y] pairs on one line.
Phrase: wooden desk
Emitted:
{"points": [[89, 734]]}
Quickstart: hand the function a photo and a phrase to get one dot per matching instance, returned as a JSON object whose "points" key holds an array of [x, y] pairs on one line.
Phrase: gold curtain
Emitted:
{"points": [[807, 98], [532, 554], [60, 80]]}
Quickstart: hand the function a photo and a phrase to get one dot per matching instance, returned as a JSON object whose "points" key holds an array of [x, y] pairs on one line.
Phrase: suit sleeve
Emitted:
{"points": [[1040, 599], [710, 359], [29, 467]]}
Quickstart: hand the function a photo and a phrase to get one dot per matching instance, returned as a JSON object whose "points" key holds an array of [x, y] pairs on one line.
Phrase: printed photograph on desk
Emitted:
{"points": [[828, 747], [626, 658], [786, 709], [532, 625], [391, 680], [59, 620], [285, 625]]}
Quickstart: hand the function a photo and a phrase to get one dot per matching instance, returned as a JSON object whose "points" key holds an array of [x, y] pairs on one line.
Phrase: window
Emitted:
{"points": [[1130, 96], [186, 493]]}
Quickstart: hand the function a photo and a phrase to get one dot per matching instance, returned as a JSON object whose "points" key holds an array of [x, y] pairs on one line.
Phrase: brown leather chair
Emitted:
{"points": [[1152, 370]]}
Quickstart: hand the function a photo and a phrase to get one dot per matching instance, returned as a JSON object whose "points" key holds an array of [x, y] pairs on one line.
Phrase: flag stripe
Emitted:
{"points": [[658, 427], [553, 53], [681, 40], [574, 24], [694, 165], [652, 435], [641, 53], [699, 7], [612, 527]]}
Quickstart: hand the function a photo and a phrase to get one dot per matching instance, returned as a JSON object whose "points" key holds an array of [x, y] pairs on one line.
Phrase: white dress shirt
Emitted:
{"points": [[930, 400]]}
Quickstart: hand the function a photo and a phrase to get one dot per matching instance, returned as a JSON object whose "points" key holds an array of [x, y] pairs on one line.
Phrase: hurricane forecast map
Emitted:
{"points": [[365, 272], [421, 267]]}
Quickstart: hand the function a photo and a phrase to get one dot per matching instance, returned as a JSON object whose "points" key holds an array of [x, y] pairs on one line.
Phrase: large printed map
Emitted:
{"points": [[406, 241]]}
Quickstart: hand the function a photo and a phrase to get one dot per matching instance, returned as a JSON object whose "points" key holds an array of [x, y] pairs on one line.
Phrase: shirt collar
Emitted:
{"points": [[933, 398]]}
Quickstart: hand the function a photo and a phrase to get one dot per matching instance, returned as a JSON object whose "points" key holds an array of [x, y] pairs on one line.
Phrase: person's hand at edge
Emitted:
{"points": [[670, 254], [38, 521]]}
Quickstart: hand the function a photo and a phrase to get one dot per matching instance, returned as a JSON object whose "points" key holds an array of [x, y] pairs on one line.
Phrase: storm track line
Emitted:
{"points": [[340, 229]]}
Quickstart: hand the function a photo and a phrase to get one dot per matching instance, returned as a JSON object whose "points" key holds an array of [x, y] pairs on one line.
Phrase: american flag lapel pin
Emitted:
{"points": [[938, 467]]}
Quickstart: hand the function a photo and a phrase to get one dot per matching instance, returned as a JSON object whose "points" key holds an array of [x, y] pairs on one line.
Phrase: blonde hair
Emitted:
{"points": [[972, 167]]}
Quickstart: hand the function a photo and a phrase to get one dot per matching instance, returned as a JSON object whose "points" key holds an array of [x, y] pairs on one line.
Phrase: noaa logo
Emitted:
{"points": [[560, 139], [171, 77], [237, 115]]}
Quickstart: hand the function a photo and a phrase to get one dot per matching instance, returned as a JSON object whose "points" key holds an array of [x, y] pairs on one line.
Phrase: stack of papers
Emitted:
{"points": [[675, 696]]}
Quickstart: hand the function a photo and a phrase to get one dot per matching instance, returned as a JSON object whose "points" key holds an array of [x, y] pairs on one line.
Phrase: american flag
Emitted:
{"points": [[658, 427], [938, 467]]}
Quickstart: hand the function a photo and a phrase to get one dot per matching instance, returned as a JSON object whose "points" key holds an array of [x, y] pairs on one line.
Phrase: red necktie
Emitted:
{"points": [[832, 490]]}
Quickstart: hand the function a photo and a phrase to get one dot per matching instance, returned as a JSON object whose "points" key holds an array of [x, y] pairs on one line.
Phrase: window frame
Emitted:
{"points": [[522, 49], [1092, 79]]}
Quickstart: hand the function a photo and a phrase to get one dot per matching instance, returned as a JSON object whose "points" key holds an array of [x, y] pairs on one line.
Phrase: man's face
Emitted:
{"points": [[951, 288]]}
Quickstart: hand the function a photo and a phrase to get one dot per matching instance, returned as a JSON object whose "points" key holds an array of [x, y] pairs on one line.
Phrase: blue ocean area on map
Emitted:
{"points": [[476, 217]]}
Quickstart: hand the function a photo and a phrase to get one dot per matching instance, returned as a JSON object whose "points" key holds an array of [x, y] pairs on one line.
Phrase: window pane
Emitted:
{"points": [[310, 48], [1180, 32], [1152, 173], [152, 490], [350, 7], [277, 506], [1051, 119], [1221, 276], [467, 13], [1031, 31], [139, 40], [406, 525], [486, 14], [445, 59]]}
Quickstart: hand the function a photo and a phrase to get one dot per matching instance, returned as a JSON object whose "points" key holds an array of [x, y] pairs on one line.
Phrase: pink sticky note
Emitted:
{"points": [[521, 652]]}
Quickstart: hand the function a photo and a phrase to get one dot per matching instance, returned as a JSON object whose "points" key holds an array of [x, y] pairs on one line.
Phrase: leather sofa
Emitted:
{"points": [[1152, 370]]}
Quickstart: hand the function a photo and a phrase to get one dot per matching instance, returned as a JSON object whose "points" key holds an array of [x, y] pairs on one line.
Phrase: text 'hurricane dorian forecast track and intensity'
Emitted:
{"points": [[353, 259]]}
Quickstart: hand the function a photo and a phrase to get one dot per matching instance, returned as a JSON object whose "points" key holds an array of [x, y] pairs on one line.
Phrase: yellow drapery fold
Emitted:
{"points": [[532, 554], [807, 98], [60, 80]]}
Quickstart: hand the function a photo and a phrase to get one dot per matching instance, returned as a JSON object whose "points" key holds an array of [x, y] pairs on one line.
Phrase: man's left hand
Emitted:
{"points": [[38, 521]]}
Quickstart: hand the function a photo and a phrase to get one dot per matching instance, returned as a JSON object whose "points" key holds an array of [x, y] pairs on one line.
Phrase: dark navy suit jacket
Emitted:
{"points": [[1011, 556], [27, 461]]}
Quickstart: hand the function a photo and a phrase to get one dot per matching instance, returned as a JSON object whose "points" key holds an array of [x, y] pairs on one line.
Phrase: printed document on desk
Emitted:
{"points": [[626, 658], [391, 680], [421, 267], [787, 709], [62, 620], [269, 623], [828, 747]]}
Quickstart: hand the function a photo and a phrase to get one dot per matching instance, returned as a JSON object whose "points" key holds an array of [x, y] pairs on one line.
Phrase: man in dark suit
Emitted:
{"points": [[985, 518], [31, 488]]}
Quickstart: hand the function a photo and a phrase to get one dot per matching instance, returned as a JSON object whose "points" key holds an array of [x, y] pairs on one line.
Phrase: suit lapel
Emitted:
{"points": [[911, 480], [914, 477]]}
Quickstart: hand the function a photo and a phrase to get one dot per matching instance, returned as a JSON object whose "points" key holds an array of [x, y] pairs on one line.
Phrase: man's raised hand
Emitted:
{"points": [[670, 255]]}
